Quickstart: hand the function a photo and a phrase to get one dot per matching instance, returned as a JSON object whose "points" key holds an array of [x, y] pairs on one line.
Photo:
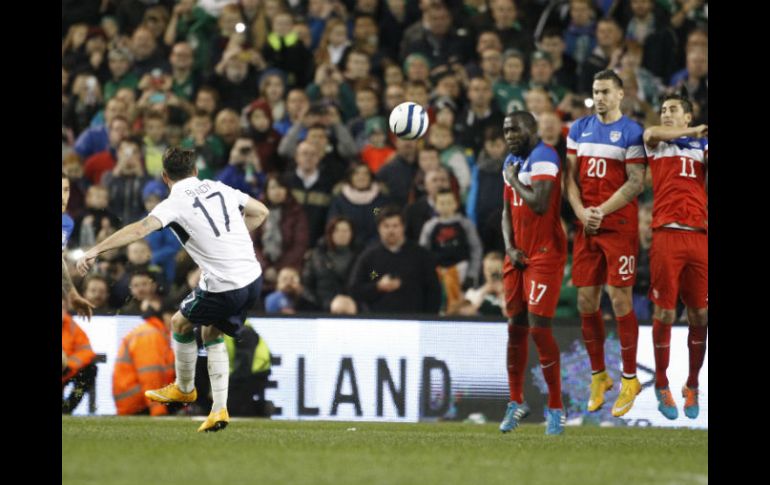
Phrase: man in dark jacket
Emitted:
{"points": [[126, 182], [418, 213], [399, 172], [437, 40], [503, 18], [480, 113], [286, 51], [485, 199], [396, 275], [235, 79], [312, 188]]}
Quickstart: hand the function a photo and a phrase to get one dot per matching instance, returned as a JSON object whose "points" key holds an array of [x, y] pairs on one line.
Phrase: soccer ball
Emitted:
{"points": [[409, 121]]}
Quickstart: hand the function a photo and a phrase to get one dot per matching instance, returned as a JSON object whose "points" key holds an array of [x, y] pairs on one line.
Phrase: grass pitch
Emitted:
{"points": [[168, 451]]}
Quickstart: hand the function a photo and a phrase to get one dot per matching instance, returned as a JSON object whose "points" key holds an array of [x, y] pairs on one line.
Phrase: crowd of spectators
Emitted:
{"points": [[288, 100]]}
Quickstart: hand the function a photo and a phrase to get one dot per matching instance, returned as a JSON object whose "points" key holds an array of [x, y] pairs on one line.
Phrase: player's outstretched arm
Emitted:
{"points": [[656, 134], [628, 191], [254, 214], [124, 236]]}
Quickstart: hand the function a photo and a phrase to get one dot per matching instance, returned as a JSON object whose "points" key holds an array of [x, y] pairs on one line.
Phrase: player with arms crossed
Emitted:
{"points": [[206, 217], [605, 157], [536, 251], [678, 157]]}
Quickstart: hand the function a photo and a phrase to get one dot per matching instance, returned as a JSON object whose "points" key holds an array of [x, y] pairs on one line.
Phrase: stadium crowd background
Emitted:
{"points": [[289, 103]]}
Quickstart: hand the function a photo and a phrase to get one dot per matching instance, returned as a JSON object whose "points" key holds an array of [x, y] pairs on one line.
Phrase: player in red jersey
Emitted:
{"points": [[678, 157], [605, 157], [536, 251]]}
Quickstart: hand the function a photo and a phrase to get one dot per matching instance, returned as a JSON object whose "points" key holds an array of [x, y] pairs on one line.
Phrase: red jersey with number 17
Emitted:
{"points": [[541, 237], [602, 151], [679, 182]]}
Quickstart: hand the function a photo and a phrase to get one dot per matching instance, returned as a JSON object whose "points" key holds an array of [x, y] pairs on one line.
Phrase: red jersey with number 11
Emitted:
{"points": [[679, 182]]}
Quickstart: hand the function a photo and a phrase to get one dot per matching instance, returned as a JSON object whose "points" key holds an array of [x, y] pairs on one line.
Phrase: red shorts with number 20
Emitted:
{"points": [[606, 258], [535, 289]]}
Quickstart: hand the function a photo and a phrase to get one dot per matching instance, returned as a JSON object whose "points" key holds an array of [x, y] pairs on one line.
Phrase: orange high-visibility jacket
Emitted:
{"points": [[145, 361], [74, 343]]}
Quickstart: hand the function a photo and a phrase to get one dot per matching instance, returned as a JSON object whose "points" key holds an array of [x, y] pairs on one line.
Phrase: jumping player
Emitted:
{"points": [[605, 157], [678, 157]]}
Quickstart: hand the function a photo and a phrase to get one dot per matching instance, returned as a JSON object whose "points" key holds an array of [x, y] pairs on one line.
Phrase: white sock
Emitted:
{"points": [[185, 358], [219, 373]]}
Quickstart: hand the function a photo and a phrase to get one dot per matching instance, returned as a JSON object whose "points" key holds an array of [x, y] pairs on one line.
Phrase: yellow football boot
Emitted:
{"points": [[600, 383], [629, 389], [171, 393], [217, 420]]}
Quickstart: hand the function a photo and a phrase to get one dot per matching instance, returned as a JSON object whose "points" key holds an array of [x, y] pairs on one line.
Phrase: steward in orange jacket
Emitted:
{"points": [[145, 361], [80, 366], [76, 345]]}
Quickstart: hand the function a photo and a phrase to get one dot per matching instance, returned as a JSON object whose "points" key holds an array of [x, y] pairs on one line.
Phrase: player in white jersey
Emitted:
{"points": [[206, 217]]}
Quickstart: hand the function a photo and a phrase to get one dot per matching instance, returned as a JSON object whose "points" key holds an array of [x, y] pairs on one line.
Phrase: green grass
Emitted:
{"points": [[166, 451]]}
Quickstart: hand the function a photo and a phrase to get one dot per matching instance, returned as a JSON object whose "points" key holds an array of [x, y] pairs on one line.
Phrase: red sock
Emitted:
{"points": [[593, 336], [628, 331], [661, 341], [548, 350], [696, 342], [516, 359]]}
